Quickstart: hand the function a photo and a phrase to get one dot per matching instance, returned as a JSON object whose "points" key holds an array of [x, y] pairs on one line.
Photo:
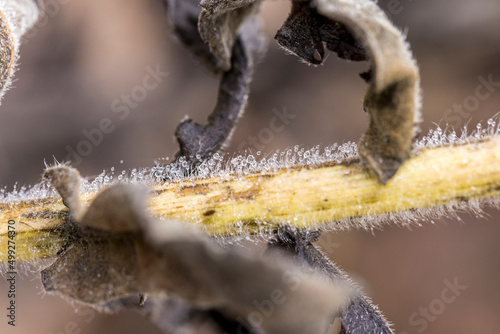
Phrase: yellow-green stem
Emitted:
{"points": [[307, 196]]}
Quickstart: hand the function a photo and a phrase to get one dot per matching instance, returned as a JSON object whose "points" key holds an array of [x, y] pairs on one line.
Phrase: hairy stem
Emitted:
{"points": [[343, 195], [360, 315]]}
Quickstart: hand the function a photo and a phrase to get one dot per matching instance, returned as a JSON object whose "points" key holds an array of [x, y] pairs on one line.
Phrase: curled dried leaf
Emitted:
{"points": [[393, 97], [359, 30], [112, 256], [66, 180], [219, 25], [117, 209], [183, 15], [305, 30], [193, 269], [198, 142]]}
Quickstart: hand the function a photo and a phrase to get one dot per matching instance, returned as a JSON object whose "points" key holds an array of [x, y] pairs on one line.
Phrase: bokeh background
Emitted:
{"points": [[86, 54]]}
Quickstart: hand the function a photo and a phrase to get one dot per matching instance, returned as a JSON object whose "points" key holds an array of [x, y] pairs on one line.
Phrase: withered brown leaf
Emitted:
{"points": [[359, 30], [107, 261], [219, 25]]}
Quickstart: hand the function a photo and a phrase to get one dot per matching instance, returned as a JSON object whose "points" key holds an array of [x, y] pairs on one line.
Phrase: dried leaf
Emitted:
{"points": [[359, 30], [105, 264], [66, 180], [176, 316], [184, 16], [219, 25], [117, 209], [360, 315], [393, 97], [304, 32], [95, 271], [198, 142]]}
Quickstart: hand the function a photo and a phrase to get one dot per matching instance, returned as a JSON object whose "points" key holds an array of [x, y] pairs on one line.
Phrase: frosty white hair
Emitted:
{"points": [[16, 17]]}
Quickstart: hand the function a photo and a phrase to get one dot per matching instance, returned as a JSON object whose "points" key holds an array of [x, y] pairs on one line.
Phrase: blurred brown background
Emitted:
{"points": [[86, 54]]}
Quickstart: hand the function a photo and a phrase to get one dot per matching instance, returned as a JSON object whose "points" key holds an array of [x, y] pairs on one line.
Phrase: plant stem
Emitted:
{"points": [[302, 196]]}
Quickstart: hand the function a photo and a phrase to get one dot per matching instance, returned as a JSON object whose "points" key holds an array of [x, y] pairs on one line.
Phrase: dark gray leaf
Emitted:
{"points": [[198, 142], [160, 258], [305, 30], [184, 15], [360, 316], [225, 27]]}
